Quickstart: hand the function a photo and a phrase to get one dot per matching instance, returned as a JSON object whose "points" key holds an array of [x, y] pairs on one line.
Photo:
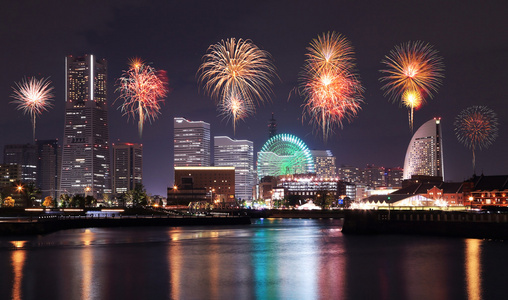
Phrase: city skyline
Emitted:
{"points": [[175, 36]]}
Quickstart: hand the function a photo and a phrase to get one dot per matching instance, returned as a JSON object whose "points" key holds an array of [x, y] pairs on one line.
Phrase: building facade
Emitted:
{"points": [[9, 174], [218, 182], [85, 150], [424, 154], [24, 155], [191, 143], [324, 162], [48, 167], [127, 166], [238, 154]]}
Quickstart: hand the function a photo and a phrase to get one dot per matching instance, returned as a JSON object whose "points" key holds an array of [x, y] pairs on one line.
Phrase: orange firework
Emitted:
{"points": [[332, 91], [414, 67], [143, 89], [233, 107], [33, 96], [412, 99], [239, 70]]}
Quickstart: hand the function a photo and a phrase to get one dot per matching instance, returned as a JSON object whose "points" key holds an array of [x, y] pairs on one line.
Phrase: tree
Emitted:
{"points": [[137, 195], [29, 192], [8, 202], [77, 201], [64, 200], [90, 201], [48, 201]]}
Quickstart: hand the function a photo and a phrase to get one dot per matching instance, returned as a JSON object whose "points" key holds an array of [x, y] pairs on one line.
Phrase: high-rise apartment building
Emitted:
{"points": [[394, 177], [324, 162], [127, 166], [24, 155], [350, 174], [191, 143], [238, 154], [374, 176], [85, 151], [48, 167], [424, 154]]}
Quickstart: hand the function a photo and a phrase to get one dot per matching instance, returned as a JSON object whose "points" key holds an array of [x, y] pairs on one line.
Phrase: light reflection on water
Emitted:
{"points": [[270, 259]]}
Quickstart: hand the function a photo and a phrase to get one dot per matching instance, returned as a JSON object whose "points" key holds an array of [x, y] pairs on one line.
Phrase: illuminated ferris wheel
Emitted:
{"points": [[284, 154]]}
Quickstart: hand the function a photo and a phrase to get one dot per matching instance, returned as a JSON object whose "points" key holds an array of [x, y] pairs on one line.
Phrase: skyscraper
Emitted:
{"points": [[324, 162], [191, 143], [272, 127], [85, 151], [127, 166], [48, 167], [238, 154], [24, 155], [424, 154]]}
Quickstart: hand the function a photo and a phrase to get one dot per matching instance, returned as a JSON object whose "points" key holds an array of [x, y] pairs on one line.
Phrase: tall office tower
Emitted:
{"points": [[324, 162], [9, 174], [191, 143], [48, 167], [272, 127], [127, 166], [238, 154], [424, 154], [85, 151], [24, 155]]}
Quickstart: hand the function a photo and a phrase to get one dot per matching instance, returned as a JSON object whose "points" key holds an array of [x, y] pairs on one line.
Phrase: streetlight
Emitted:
{"points": [[211, 191], [87, 189], [175, 189]]}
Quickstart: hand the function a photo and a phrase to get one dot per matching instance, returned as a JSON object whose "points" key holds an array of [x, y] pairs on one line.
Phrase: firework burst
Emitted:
{"points": [[332, 90], [234, 108], [142, 89], [237, 74], [412, 67], [33, 97], [476, 128]]}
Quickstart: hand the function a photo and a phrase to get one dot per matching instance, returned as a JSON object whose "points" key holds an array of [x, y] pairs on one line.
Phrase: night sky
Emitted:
{"points": [[471, 36]]}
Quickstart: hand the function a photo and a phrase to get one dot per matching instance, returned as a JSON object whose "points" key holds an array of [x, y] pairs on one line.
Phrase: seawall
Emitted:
{"points": [[440, 223]]}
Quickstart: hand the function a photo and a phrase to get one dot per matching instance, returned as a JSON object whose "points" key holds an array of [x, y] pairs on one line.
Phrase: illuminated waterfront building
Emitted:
{"points": [[238, 154], [24, 155], [218, 182], [324, 163], [424, 154], [127, 166], [284, 154], [191, 143], [85, 150]]}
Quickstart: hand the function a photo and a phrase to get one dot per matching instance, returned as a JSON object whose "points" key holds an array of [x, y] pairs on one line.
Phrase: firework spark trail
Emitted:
{"points": [[412, 66], [332, 90], [33, 96], [236, 70], [143, 89], [476, 128]]}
